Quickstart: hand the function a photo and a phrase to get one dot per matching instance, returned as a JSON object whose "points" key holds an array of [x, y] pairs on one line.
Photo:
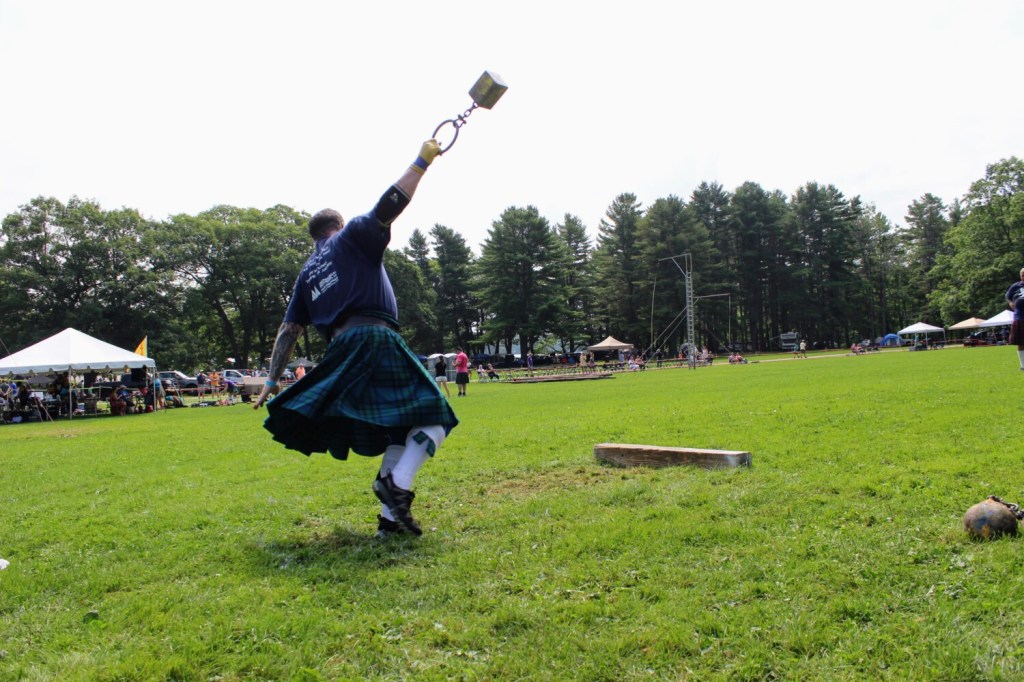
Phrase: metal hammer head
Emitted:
{"points": [[487, 90]]}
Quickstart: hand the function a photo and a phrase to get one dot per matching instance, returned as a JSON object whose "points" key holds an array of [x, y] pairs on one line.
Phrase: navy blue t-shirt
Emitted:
{"points": [[345, 276], [1015, 295]]}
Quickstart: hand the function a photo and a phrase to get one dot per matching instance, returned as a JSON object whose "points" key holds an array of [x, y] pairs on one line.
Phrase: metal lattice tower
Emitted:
{"points": [[688, 280], [687, 269]]}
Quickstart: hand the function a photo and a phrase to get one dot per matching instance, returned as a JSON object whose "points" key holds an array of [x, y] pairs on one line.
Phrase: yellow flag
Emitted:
{"points": [[141, 350]]}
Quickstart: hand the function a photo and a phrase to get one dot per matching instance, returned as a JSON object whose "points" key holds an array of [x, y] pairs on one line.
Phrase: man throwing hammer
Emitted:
{"points": [[370, 394], [1015, 300]]}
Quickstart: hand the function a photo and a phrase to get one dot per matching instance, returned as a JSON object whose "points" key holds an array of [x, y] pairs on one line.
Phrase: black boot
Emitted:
{"points": [[387, 528], [399, 501]]}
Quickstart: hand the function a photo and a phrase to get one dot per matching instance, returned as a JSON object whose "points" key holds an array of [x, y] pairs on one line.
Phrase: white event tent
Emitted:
{"points": [[1002, 319], [921, 328], [72, 351]]}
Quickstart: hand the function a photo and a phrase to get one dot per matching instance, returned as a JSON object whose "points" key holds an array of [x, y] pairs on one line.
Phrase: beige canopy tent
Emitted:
{"points": [[969, 323], [611, 343]]}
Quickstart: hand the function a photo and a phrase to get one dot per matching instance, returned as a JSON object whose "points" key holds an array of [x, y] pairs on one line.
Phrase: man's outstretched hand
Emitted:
{"points": [[264, 395], [430, 150]]}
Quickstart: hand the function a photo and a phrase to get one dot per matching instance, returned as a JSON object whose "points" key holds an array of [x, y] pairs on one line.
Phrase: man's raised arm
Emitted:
{"points": [[393, 203]]}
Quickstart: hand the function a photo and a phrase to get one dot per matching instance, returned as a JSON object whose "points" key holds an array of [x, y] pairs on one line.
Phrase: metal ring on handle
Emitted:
{"points": [[455, 124]]}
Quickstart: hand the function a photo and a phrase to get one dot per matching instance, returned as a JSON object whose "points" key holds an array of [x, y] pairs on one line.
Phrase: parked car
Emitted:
{"points": [[978, 339], [180, 379]]}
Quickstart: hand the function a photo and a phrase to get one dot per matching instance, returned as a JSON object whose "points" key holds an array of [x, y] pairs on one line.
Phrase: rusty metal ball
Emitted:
{"points": [[990, 519]]}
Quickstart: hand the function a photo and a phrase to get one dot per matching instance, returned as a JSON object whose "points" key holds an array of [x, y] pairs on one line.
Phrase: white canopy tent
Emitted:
{"points": [[72, 351], [1002, 319], [921, 328]]}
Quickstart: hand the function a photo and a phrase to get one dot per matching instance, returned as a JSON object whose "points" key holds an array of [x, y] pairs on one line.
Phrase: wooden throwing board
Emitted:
{"points": [[628, 455]]}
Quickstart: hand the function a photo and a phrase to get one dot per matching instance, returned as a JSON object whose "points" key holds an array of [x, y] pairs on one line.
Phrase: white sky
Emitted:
{"points": [[175, 107]]}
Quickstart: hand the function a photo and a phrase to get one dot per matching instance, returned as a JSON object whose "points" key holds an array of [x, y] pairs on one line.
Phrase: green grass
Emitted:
{"points": [[188, 546]]}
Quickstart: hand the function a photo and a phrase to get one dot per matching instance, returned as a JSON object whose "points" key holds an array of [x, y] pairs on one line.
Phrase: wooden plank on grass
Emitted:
{"points": [[630, 455]]}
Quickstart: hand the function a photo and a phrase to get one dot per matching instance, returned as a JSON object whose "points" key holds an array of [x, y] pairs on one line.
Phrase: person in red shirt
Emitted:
{"points": [[461, 371]]}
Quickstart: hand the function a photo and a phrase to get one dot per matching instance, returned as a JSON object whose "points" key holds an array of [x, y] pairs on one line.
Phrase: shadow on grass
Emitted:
{"points": [[340, 552]]}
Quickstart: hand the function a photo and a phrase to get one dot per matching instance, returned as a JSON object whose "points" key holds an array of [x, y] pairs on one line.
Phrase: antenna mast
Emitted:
{"points": [[687, 269]]}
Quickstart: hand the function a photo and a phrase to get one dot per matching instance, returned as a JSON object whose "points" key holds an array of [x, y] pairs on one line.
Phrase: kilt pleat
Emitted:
{"points": [[365, 395]]}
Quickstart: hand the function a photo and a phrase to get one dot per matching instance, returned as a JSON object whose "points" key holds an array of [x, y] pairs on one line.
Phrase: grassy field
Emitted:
{"points": [[188, 546]]}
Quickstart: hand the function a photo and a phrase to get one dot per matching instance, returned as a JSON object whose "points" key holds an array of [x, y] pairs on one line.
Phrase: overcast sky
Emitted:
{"points": [[176, 107]]}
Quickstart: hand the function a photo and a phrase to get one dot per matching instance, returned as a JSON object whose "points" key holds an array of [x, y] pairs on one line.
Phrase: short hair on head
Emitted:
{"points": [[324, 223]]}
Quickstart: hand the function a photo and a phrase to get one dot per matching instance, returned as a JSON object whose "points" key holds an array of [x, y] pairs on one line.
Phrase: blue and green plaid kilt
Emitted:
{"points": [[367, 393]]}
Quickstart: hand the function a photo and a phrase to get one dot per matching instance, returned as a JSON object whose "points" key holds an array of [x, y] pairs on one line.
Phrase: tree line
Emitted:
{"points": [[214, 286]]}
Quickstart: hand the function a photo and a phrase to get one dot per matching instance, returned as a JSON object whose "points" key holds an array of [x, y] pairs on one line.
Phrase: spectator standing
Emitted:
{"points": [[441, 374], [461, 371], [24, 395]]}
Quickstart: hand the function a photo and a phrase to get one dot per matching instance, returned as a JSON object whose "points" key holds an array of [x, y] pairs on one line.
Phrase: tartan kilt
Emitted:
{"points": [[367, 393], [1016, 335]]}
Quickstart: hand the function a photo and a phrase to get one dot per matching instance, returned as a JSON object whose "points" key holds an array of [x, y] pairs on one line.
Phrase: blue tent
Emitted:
{"points": [[891, 340]]}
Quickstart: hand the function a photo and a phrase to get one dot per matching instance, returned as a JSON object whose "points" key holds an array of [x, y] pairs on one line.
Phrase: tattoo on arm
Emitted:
{"points": [[287, 337]]}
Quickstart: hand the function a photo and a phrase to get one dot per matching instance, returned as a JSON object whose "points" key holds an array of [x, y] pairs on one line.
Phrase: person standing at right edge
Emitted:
{"points": [[1015, 299]]}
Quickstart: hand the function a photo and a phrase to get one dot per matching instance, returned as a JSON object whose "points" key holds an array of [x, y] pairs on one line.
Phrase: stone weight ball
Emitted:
{"points": [[990, 519]]}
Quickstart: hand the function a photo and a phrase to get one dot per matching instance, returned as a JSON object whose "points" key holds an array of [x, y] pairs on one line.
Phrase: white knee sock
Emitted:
{"points": [[391, 457], [1020, 354], [420, 446]]}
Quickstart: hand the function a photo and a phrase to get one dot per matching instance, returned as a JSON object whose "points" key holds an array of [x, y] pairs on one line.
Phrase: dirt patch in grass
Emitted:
{"points": [[530, 483]]}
